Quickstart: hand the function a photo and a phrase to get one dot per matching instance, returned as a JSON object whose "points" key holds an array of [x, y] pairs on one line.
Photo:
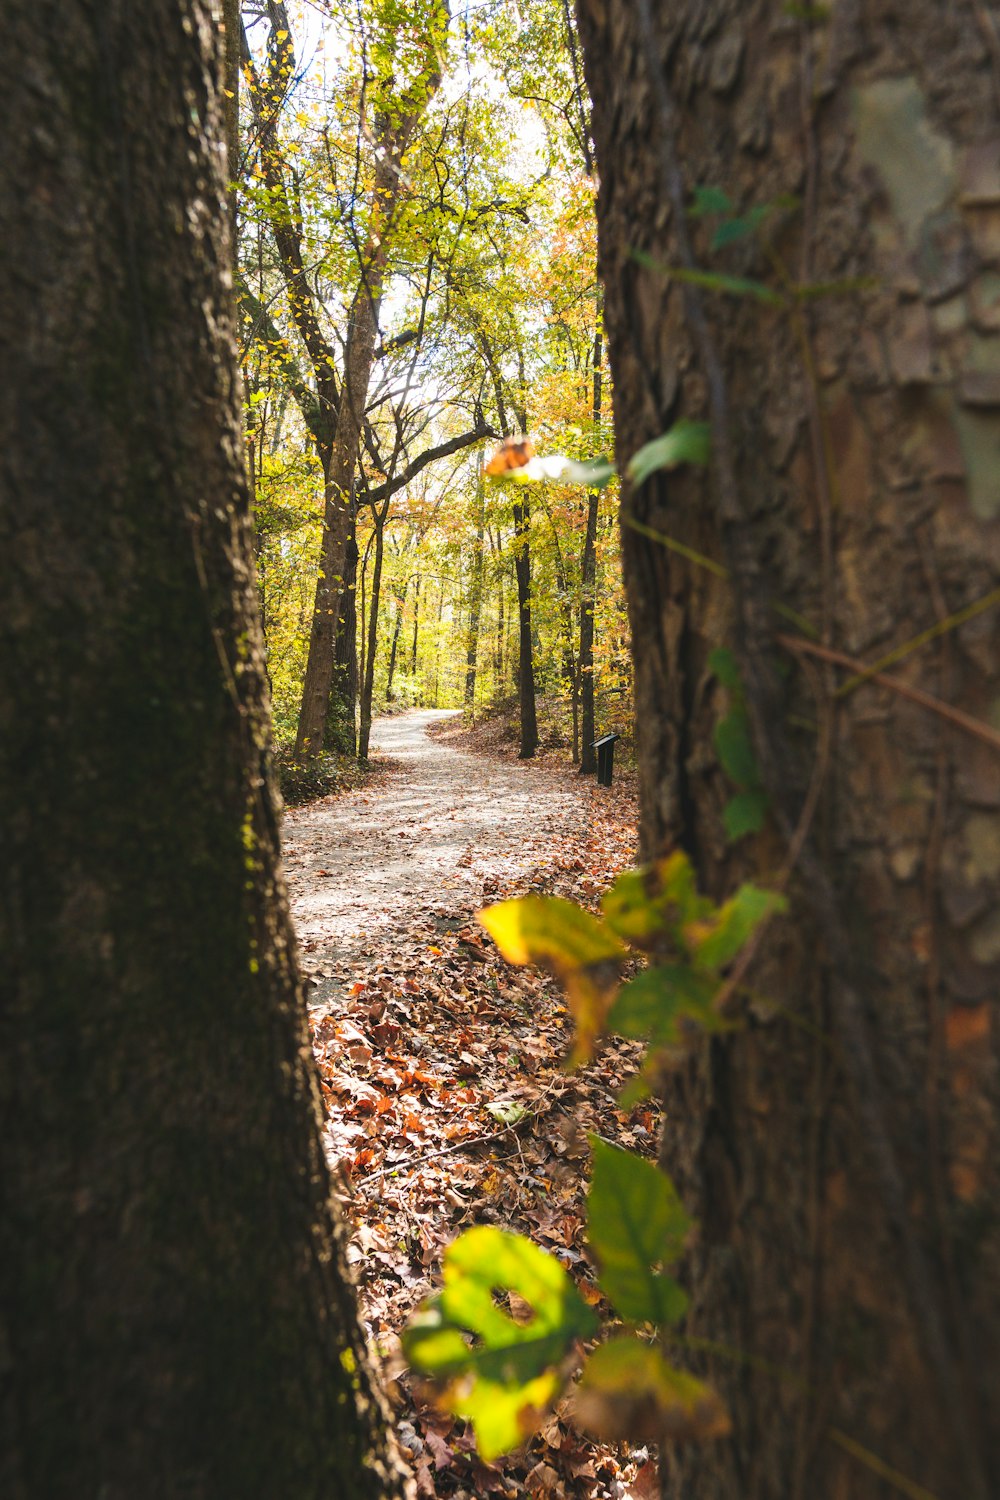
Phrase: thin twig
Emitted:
{"points": [[956, 716], [409, 1162], [942, 626]]}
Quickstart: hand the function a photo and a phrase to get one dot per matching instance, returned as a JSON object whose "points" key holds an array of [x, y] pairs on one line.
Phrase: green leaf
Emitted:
{"points": [[734, 748], [654, 901], [710, 200], [507, 1114], [685, 443], [731, 231], [628, 1391], [636, 1224], [721, 939], [651, 1005], [722, 663], [498, 1372], [547, 929], [743, 814]]}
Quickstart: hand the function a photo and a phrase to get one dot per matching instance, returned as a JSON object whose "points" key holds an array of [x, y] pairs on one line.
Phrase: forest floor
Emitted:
{"points": [[442, 1066]]}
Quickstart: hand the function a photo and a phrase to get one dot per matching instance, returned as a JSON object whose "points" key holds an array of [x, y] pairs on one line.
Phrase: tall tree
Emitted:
{"points": [[176, 1316], [588, 601], [525, 657], [475, 596], [842, 1147], [404, 74]]}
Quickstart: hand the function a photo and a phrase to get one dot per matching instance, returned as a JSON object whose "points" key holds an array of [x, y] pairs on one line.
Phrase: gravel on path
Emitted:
{"points": [[441, 834]]}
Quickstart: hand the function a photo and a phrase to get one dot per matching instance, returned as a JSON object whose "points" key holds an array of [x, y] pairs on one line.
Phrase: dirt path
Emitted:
{"points": [[442, 1068], [446, 830]]}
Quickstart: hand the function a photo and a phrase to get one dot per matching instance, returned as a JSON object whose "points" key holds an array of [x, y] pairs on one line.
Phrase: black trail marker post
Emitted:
{"points": [[605, 748]]}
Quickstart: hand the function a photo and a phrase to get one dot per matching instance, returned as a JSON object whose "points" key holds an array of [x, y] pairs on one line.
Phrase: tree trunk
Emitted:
{"points": [[475, 599], [416, 626], [359, 358], [231, 94], [397, 631], [841, 1149], [341, 728], [588, 756], [176, 1313], [368, 681], [525, 666], [498, 654]]}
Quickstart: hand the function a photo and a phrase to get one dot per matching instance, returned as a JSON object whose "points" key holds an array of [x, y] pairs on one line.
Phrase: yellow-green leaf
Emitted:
{"points": [[547, 929], [629, 1391]]}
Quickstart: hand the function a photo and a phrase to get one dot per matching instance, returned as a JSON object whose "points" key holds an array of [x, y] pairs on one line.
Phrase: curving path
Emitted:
{"points": [[443, 831]]}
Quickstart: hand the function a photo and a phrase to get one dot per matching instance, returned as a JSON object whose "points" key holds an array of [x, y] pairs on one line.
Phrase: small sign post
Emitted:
{"points": [[605, 748]]}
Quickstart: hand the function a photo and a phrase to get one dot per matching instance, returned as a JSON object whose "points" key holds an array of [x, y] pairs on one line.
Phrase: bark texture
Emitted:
{"points": [[175, 1317], [525, 657], [843, 1163], [588, 571]]}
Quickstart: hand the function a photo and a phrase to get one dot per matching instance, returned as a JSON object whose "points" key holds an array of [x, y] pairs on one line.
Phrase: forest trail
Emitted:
{"points": [[442, 1067], [445, 831]]}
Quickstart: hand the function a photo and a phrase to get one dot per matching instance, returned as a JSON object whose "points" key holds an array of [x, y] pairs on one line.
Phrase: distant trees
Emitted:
{"points": [[176, 1314], [485, 284]]}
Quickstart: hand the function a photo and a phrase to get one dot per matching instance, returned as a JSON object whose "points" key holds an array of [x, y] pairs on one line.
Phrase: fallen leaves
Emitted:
{"points": [[448, 1106]]}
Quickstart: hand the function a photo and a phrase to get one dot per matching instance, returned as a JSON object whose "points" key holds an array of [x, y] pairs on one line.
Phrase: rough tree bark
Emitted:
{"points": [[525, 656], [588, 755], [841, 1150], [397, 630], [475, 599], [175, 1314], [371, 647], [341, 731]]}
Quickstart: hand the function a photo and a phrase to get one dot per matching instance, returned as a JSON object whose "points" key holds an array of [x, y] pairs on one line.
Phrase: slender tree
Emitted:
{"points": [[176, 1315], [475, 596], [588, 756], [841, 1147]]}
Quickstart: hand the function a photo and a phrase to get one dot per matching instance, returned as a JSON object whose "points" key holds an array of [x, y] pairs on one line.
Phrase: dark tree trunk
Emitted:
{"points": [[341, 727], [841, 1150], [368, 680], [588, 756], [233, 33], [176, 1315], [498, 572], [525, 666], [416, 626], [475, 600], [397, 631]]}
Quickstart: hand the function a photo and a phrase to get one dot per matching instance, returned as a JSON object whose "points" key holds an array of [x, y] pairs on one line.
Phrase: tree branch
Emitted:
{"points": [[429, 455]]}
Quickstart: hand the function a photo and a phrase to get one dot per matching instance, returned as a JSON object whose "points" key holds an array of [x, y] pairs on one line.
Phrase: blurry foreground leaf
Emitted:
{"points": [[685, 443], [579, 948], [654, 1005], [718, 941], [743, 814], [636, 1224], [628, 1391], [497, 1372], [654, 901]]}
